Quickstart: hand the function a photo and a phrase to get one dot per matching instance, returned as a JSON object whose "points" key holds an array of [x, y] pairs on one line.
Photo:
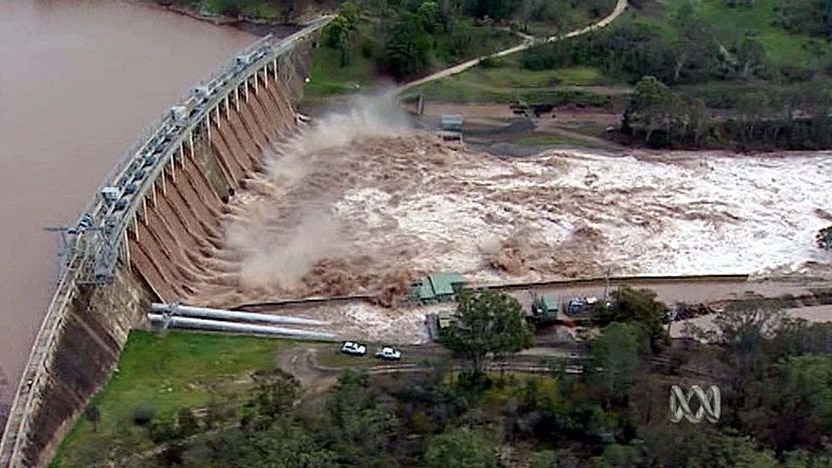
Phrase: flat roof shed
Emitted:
{"points": [[424, 292], [550, 302], [446, 284], [451, 122]]}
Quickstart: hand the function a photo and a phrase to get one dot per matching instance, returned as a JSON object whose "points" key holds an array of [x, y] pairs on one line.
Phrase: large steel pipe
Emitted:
{"points": [[216, 325], [189, 311]]}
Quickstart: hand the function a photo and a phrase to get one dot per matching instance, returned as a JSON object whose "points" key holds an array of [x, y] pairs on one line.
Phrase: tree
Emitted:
{"points": [[751, 57], [794, 404], [824, 238], [813, 17], [408, 49], [743, 329], [652, 107], [616, 456], [187, 422], [700, 445], [341, 31], [638, 307], [143, 414], [487, 322], [285, 445], [92, 413], [615, 355], [459, 448], [694, 47], [358, 425], [275, 393], [429, 13]]}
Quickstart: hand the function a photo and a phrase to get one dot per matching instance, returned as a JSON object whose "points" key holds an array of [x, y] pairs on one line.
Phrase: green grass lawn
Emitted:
{"points": [[165, 373], [328, 77], [508, 83], [782, 47], [332, 357], [508, 77]]}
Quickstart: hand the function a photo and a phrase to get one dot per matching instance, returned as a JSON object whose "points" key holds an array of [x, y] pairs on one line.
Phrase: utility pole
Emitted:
{"points": [[607, 271]]}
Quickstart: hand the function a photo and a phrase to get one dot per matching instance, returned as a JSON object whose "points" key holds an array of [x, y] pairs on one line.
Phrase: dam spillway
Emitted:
{"points": [[150, 230]]}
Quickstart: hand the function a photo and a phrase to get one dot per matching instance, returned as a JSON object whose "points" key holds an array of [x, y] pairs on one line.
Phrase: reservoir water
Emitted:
{"points": [[79, 81]]}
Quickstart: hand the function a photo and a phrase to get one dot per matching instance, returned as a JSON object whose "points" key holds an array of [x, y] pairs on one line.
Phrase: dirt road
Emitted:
{"points": [[620, 6]]}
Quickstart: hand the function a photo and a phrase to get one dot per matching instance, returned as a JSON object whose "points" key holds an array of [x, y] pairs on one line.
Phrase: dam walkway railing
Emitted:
{"points": [[95, 243]]}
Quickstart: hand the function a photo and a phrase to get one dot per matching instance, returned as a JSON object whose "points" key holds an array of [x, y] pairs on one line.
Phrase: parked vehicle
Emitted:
{"points": [[580, 305], [121, 204], [544, 309], [356, 349], [388, 353]]}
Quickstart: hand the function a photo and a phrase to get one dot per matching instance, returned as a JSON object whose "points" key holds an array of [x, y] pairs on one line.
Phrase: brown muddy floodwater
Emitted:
{"points": [[79, 81]]}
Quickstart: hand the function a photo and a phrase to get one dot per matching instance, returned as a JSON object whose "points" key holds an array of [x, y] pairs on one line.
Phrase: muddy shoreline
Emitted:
{"points": [[255, 27]]}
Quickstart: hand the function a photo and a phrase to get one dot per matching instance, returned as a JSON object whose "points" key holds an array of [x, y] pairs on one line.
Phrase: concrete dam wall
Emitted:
{"points": [[150, 231], [179, 224]]}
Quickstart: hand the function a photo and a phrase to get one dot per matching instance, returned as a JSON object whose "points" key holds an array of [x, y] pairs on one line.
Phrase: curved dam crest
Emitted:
{"points": [[150, 231]]}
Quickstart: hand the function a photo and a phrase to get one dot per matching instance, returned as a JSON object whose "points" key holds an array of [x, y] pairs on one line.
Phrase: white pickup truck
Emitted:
{"points": [[356, 349], [388, 353]]}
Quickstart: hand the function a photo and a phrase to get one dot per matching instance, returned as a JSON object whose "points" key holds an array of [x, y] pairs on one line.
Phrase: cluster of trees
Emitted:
{"points": [[775, 376], [764, 106], [633, 49], [688, 49], [777, 383], [660, 116], [406, 37], [813, 17]]}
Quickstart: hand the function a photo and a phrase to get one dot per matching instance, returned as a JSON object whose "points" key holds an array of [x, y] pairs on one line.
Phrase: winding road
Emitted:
{"points": [[620, 6]]}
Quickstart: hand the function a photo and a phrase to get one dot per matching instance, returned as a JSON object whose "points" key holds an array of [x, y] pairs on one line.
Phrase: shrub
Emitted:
{"points": [[142, 415], [368, 48]]}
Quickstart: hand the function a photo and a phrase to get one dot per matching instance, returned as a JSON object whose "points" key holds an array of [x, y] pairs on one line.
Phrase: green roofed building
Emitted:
{"points": [[550, 304], [438, 287], [545, 308]]}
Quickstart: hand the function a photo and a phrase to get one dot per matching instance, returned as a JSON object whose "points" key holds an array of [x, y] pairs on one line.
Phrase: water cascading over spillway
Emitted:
{"points": [[175, 246]]}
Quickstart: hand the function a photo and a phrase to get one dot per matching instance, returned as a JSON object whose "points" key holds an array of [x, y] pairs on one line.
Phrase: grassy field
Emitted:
{"points": [[782, 47], [505, 80], [165, 373], [580, 86], [333, 358], [760, 21], [329, 78]]}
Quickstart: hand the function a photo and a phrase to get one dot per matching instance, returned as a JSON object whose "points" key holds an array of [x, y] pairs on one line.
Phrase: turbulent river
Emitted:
{"points": [[361, 203]]}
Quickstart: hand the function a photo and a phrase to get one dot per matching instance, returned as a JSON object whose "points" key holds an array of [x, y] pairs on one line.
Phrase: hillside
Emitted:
{"points": [[731, 75]]}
